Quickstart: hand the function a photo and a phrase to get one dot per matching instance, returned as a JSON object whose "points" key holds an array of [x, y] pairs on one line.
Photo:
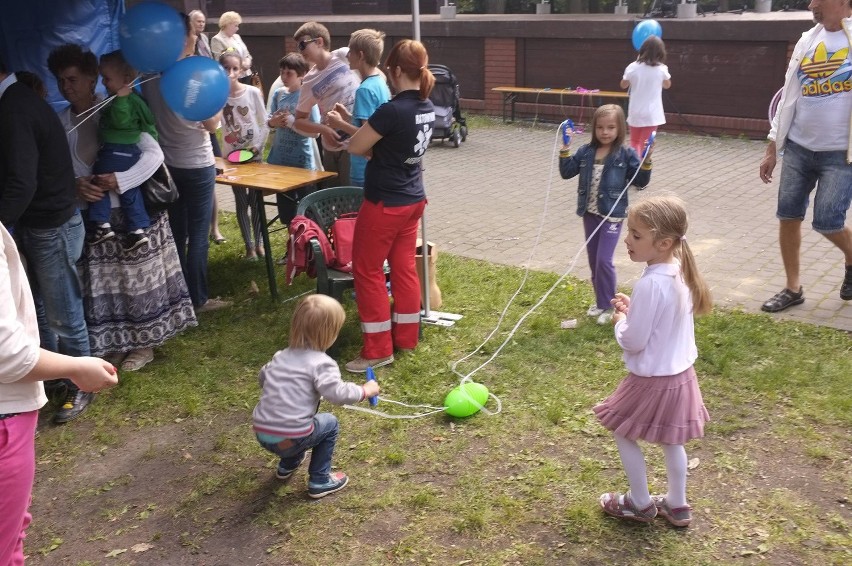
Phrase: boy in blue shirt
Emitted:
{"points": [[365, 52], [290, 146]]}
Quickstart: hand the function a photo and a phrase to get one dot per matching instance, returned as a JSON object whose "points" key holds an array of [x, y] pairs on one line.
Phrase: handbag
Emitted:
{"points": [[159, 190]]}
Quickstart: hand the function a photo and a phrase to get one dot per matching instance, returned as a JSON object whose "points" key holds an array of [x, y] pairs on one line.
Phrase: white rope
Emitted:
{"points": [[91, 111], [554, 161], [466, 378]]}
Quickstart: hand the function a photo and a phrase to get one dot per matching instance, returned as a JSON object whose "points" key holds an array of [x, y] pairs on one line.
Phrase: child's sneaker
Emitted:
{"points": [[594, 311], [679, 516], [605, 317], [134, 240], [102, 234], [283, 473], [336, 482]]}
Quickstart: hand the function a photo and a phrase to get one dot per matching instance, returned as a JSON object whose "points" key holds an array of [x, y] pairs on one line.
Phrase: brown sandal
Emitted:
{"points": [[137, 359]]}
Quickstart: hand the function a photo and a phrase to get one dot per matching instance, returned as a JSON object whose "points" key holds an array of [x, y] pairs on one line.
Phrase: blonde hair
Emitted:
{"points": [[606, 110], [666, 217], [229, 18], [316, 323], [314, 30], [370, 42]]}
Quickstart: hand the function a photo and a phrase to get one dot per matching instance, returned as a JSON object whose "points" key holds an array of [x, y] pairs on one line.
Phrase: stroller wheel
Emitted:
{"points": [[457, 138], [464, 133]]}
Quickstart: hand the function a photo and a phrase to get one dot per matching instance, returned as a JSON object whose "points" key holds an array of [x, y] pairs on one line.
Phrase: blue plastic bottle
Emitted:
{"points": [[649, 143], [371, 376], [567, 131]]}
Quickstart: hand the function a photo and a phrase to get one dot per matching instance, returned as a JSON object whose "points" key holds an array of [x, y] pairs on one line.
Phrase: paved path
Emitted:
{"points": [[487, 201]]}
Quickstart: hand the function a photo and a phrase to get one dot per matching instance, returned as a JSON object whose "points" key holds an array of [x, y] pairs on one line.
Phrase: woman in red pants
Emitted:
{"points": [[395, 139]]}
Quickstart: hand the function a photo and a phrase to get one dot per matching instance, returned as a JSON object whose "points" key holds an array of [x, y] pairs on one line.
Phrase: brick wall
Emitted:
{"points": [[500, 70]]}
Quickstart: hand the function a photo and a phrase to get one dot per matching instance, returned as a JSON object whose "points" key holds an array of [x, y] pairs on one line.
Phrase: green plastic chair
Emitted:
{"points": [[324, 207]]}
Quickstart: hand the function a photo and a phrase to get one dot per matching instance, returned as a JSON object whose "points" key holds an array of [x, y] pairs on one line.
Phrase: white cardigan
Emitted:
{"points": [[149, 161], [19, 340]]}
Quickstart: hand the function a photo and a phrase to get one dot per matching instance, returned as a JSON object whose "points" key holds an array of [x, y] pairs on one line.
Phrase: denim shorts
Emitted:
{"points": [[828, 171]]}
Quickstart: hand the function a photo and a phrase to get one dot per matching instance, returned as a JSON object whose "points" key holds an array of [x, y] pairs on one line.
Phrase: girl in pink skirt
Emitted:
{"points": [[659, 400]]}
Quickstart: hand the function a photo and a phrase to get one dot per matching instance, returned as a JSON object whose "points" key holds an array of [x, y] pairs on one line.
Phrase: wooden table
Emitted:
{"points": [[510, 94], [267, 178]]}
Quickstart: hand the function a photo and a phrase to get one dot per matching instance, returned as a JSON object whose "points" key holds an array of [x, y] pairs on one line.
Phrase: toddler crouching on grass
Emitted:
{"points": [[286, 420]]}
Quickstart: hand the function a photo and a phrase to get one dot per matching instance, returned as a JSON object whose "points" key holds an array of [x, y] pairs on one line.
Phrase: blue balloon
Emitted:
{"points": [[152, 36], [196, 88], [644, 30]]}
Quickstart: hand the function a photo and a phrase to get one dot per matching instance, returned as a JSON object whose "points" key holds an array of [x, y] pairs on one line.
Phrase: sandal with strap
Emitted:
{"points": [[137, 359], [621, 506], [784, 299], [678, 516]]}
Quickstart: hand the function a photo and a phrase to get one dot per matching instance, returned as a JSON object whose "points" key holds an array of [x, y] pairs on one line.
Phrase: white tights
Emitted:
{"points": [[634, 466]]}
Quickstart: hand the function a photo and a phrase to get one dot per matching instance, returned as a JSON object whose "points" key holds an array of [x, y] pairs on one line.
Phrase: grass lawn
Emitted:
{"points": [[164, 469]]}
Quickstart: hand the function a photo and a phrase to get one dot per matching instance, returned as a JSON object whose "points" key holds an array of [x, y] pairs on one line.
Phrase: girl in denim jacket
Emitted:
{"points": [[605, 166]]}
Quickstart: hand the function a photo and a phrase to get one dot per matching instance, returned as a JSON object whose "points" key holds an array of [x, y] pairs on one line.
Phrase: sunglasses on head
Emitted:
{"points": [[304, 43]]}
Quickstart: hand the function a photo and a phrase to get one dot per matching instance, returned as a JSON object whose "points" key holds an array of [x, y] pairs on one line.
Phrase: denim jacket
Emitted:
{"points": [[619, 167]]}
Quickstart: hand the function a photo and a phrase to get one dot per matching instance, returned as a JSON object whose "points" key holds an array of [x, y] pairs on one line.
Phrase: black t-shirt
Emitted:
{"points": [[37, 185], [393, 174]]}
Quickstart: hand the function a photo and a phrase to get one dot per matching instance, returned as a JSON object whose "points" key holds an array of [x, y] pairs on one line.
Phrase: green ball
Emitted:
{"points": [[458, 404]]}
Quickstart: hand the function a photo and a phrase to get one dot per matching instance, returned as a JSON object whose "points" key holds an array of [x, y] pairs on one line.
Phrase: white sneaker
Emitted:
{"points": [[594, 311], [605, 317], [212, 305]]}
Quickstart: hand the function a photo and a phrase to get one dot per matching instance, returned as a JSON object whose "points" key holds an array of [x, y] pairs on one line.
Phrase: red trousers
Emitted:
{"points": [[638, 137], [17, 471], [387, 233]]}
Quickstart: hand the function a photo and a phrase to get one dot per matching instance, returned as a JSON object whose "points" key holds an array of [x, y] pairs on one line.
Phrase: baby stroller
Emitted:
{"points": [[449, 123]]}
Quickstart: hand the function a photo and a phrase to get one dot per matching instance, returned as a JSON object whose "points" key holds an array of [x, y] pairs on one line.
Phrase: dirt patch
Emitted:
{"points": [[180, 494]]}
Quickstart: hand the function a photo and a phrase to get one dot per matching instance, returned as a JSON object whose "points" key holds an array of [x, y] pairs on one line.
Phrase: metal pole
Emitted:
{"points": [[424, 247], [415, 20]]}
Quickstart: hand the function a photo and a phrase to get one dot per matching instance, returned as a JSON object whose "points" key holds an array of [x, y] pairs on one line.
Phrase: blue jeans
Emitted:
{"points": [[322, 440], [803, 170], [112, 158], [189, 218], [52, 255]]}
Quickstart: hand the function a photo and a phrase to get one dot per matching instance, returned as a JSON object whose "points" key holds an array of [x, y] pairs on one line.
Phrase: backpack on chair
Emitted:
{"points": [[342, 234]]}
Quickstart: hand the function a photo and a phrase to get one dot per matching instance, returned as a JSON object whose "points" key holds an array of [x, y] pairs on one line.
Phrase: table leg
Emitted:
{"points": [[270, 261]]}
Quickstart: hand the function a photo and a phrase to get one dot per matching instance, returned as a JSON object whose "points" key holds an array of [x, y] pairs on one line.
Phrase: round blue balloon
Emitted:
{"points": [[196, 88], [644, 30], [152, 36]]}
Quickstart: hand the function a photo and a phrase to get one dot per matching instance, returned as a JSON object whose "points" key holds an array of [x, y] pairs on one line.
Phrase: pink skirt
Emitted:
{"points": [[663, 409]]}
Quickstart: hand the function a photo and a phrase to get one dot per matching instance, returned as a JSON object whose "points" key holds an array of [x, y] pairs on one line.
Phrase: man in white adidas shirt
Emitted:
{"points": [[812, 127]]}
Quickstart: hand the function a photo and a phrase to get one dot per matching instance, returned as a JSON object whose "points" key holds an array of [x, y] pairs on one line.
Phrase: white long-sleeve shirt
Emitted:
{"points": [[82, 157], [19, 340], [658, 335]]}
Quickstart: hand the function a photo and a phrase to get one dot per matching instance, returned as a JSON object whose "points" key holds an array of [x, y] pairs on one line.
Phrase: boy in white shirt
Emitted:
{"points": [[330, 81]]}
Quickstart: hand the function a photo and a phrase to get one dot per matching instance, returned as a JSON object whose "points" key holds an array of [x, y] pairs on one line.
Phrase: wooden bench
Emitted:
{"points": [[511, 93]]}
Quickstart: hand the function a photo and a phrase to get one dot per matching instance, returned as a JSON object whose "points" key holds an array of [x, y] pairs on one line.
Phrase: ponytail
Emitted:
{"points": [[427, 82], [702, 302], [666, 217], [413, 60]]}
